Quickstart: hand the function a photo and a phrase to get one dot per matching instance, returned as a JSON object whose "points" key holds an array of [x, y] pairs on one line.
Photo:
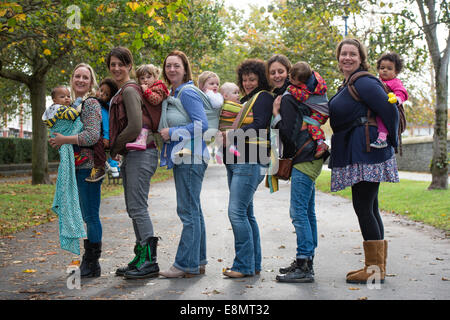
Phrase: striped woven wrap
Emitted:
{"points": [[230, 111]]}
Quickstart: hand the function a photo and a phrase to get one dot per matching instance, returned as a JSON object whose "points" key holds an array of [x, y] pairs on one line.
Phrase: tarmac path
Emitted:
{"points": [[418, 265]]}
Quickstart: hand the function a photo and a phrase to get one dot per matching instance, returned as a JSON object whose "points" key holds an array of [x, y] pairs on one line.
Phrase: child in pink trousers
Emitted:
{"points": [[389, 65]]}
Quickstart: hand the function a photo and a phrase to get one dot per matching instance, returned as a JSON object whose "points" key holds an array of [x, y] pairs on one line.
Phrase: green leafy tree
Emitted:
{"points": [[38, 36], [413, 20]]}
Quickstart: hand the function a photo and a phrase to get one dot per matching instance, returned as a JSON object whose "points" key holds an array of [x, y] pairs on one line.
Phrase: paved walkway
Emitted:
{"points": [[418, 262]]}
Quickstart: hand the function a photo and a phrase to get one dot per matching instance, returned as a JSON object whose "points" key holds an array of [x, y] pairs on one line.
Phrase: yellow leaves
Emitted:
{"points": [[2, 12], [29, 271], [63, 71], [47, 52], [123, 34], [21, 17], [150, 12], [133, 5], [159, 21], [44, 41]]}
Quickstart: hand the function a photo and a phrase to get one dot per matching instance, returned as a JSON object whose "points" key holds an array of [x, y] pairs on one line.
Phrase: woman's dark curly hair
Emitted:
{"points": [[392, 57], [255, 66]]}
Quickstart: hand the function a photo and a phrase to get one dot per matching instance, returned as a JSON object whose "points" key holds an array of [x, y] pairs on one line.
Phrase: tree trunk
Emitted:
{"points": [[40, 136], [439, 162]]}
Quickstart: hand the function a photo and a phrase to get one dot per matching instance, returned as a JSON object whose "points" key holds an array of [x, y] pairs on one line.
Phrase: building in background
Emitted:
{"points": [[18, 126]]}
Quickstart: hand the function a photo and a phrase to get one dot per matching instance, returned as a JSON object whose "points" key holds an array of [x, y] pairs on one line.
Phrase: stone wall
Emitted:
{"points": [[417, 153]]}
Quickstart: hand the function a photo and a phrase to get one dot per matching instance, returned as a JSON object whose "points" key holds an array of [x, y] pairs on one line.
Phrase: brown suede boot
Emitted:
{"points": [[385, 257], [374, 256]]}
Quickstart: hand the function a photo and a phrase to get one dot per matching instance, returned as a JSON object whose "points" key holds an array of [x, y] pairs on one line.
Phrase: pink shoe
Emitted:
{"points": [[234, 151], [219, 157], [140, 143]]}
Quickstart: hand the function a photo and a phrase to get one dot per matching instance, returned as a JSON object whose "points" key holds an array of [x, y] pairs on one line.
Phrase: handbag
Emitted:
{"points": [[285, 164]]}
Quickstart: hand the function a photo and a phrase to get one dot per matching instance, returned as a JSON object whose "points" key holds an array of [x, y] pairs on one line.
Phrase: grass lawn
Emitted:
{"points": [[24, 205], [408, 198]]}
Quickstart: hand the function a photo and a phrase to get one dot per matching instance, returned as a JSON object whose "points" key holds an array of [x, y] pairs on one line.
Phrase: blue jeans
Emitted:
{"points": [[191, 251], [90, 197], [243, 180], [138, 168], [302, 212]]}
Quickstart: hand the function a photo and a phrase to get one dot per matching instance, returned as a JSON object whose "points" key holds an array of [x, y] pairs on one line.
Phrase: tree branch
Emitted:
{"points": [[14, 75]]}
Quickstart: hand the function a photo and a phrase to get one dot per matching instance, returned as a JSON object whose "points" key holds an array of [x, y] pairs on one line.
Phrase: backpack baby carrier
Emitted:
{"points": [[370, 118]]}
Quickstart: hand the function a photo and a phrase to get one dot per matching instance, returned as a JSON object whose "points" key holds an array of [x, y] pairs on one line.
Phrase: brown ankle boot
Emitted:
{"points": [[385, 257], [374, 252]]}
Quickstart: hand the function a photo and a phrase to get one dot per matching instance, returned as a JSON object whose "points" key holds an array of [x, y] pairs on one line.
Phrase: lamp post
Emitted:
{"points": [[345, 20]]}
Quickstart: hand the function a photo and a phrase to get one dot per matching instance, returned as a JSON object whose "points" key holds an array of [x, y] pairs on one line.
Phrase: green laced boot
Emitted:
{"points": [[132, 264], [146, 266]]}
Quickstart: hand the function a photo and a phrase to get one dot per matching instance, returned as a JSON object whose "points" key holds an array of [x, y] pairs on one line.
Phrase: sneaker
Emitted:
{"points": [[321, 148], [379, 144], [96, 175]]}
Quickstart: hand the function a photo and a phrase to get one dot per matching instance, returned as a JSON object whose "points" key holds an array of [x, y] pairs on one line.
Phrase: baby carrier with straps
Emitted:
{"points": [[370, 120], [174, 110], [150, 114]]}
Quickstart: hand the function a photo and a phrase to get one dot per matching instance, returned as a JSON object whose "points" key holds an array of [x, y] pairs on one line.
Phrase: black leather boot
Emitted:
{"points": [[147, 265], [294, 264], [288, 269], [132, 264], [90, 267], [301, 274]]}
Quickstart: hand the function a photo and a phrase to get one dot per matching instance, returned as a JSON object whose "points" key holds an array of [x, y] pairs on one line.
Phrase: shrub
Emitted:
{"points": [[17, 150]]}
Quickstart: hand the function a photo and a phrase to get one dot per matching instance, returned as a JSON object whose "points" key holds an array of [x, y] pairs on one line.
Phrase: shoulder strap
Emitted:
{"points": [[351, 83], [202, 95], [245, 111], [302, 147]]}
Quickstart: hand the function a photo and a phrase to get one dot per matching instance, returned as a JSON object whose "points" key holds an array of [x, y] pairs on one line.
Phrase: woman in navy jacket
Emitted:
{"points": [[351, 164]]}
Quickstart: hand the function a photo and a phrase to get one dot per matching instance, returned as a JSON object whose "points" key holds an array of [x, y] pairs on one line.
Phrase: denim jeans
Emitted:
{"points": [[90, 197], [137, 169], [302, 212], [243, 180], [191, 251]]}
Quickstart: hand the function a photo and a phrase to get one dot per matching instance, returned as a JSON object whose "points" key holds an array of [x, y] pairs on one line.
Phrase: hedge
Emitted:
{"points": [[17, 150]]}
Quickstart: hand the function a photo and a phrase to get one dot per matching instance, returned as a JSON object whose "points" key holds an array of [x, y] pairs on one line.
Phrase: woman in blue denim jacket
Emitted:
{"points": [[188, 172]]}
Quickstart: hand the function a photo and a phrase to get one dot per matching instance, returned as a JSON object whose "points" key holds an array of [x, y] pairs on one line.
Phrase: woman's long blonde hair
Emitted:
{"points": [[92, 87]]}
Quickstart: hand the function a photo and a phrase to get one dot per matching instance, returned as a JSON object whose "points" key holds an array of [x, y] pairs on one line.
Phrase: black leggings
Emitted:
{"points": [[365, 203]]}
